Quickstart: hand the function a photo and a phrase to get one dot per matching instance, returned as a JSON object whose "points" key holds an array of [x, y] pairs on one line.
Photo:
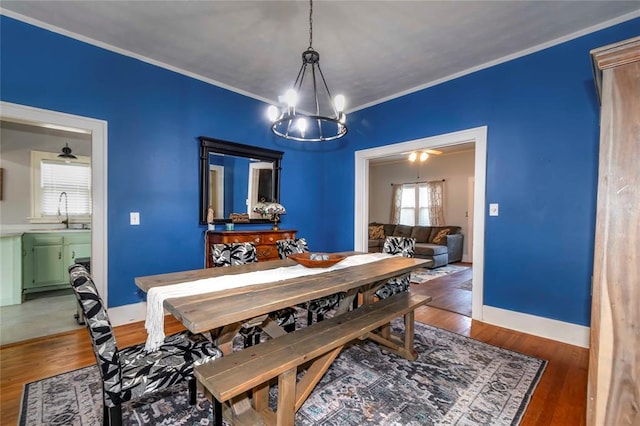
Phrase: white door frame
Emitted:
{"points": [[98, 130], [218, 204], [252, 191], [476, 135], [470, 204]]}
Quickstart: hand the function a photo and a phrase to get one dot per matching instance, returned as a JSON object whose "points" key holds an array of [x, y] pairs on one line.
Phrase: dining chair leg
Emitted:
{"points": [[217, 412], [309, 317], [112, 416], [319, 317], [193, 391]]}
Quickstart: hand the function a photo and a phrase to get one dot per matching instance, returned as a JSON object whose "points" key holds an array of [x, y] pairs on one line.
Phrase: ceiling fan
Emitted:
{"points": [[422, 154]]}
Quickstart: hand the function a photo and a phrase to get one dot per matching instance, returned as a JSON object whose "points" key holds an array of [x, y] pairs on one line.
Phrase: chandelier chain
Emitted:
{"points": [[310, 24]]}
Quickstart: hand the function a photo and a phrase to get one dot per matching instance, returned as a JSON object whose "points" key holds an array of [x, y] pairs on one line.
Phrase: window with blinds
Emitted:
{"points": [[53, 176], [73, 179]]}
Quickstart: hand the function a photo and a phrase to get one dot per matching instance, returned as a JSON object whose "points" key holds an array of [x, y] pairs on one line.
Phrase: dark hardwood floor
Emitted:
{"points": [[559, 399], [446, 291]]}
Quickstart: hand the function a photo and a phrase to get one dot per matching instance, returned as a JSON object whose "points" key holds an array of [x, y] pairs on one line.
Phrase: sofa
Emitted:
{"points": [[442, 244]]}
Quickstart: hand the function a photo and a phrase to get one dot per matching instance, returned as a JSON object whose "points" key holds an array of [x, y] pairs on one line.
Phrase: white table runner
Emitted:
{"points": [[157, 295]]}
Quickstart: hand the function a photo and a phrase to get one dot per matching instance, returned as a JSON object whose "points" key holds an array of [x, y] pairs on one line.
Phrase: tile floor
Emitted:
{"points": [[37, 318]]}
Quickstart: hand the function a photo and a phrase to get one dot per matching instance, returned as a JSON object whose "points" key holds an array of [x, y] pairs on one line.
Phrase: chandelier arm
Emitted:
{"points": [[298, 83], [286, 135], [333, 107], [315, 90]]}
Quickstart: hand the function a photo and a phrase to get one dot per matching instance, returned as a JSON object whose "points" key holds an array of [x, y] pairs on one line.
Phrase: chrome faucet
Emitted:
{"points": [[66, 208]]}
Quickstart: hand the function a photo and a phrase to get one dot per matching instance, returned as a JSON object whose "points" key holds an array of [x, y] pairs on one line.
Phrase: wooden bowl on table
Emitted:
{"points": [[316, 260]]}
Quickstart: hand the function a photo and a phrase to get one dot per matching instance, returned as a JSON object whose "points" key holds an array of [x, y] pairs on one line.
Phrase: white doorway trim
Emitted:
{"points": [[218, 184], [98, 130], [470, 197], [477, 135]]}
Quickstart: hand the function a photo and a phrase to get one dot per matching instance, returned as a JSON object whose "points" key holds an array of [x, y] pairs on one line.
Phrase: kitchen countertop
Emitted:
{"points": [[13, 231]]}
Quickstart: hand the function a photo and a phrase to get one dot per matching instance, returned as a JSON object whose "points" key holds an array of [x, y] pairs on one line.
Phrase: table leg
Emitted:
{"points": [[224, 338]]}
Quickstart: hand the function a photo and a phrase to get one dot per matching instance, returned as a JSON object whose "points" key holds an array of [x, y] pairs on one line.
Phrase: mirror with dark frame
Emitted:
{"points": [[234, 177]]}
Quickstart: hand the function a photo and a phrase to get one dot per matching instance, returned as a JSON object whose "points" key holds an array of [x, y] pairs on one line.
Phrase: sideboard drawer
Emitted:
{"points": [[265, 242]]}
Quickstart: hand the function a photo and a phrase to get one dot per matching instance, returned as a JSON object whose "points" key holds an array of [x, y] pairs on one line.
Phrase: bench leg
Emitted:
{"points": [[261, 397], [286, 397], [409, 323]]}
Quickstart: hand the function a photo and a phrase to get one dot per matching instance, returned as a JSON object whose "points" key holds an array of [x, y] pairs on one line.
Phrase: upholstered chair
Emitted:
{"points": [[132, 373], [234, 254], [291, 246], [400, 246], [318, 306]]}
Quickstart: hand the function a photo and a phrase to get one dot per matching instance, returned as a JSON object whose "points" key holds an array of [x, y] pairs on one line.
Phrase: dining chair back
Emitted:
{"points": [[132, 373], [235, 254], [319, 306], [291, 246], [401, 246]]}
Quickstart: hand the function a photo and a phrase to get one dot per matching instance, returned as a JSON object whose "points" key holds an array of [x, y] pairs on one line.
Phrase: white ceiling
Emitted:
{"points": [[371, 51]]}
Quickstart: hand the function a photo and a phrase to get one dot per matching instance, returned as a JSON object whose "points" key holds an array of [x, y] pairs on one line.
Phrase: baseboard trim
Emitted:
{"points": [[127, 314], [560, 331]]}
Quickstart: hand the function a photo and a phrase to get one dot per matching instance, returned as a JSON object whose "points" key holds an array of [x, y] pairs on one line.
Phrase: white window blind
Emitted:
{"points": [[407, 205], [72, 178]]}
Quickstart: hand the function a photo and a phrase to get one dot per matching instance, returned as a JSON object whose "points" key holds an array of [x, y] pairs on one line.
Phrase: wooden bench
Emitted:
{"points": [[227, 379]]}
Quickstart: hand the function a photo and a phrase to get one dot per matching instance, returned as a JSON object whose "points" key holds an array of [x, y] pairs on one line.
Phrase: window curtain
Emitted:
{"points": [[435, 204], [396, 199]]}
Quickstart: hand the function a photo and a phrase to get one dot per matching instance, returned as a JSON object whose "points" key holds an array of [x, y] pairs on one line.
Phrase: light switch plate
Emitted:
{"points": [[493, 209], [134, 218]]}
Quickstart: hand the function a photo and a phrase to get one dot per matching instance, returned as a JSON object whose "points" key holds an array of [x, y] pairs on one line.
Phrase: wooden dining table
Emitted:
{"points": [[227, 310]]}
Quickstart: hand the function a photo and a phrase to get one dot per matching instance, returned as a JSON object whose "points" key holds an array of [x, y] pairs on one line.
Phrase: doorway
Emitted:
{"points": [[478, 136], [97, 131]]}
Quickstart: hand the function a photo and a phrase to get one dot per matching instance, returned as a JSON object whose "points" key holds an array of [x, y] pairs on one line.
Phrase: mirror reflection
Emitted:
{"points": [[236, 184], [234, 177]]}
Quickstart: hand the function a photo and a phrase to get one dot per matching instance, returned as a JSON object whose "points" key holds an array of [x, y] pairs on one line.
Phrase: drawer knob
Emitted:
{"points": [[270, 238], [235, 240], [257, 239]]}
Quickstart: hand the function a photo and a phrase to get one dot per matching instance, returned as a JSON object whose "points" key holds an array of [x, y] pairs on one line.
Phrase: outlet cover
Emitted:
{"points": [[134, 218], [493, 209]]}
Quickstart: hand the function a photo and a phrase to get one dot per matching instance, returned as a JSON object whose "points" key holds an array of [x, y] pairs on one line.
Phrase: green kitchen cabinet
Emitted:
{"points": [[46, 257]]}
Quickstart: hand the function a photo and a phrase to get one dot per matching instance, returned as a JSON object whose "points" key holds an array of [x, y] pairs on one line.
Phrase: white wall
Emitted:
{"points": [[454, 168], [16, 142]]}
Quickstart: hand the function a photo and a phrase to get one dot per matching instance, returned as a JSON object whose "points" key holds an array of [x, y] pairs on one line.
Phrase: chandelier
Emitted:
{"points": [[307, 112]]}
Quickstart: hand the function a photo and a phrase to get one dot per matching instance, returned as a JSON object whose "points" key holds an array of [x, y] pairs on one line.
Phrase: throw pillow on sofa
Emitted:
{"points": [[376, 232], [441, 237]]}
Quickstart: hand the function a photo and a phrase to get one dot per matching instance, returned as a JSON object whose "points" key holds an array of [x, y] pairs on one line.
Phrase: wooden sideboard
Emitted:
{"points": [[265, 241]]}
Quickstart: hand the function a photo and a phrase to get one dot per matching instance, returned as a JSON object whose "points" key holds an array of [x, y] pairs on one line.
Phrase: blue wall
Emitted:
{"points": [[154, 118], [541, 112], [542, 115]]}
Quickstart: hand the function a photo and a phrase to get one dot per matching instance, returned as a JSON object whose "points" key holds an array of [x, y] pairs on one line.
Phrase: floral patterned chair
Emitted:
{"points": [[401, 246], [234, 254], [132, 373], [318, 306]]}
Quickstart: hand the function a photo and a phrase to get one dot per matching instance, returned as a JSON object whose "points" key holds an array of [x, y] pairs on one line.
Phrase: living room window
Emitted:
{"points": [[51, 177], [422, 204]]}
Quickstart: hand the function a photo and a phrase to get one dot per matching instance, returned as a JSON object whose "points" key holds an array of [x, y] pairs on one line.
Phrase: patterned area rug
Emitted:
{"points": [[455, 380], [467, 285], [423, 275]]}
